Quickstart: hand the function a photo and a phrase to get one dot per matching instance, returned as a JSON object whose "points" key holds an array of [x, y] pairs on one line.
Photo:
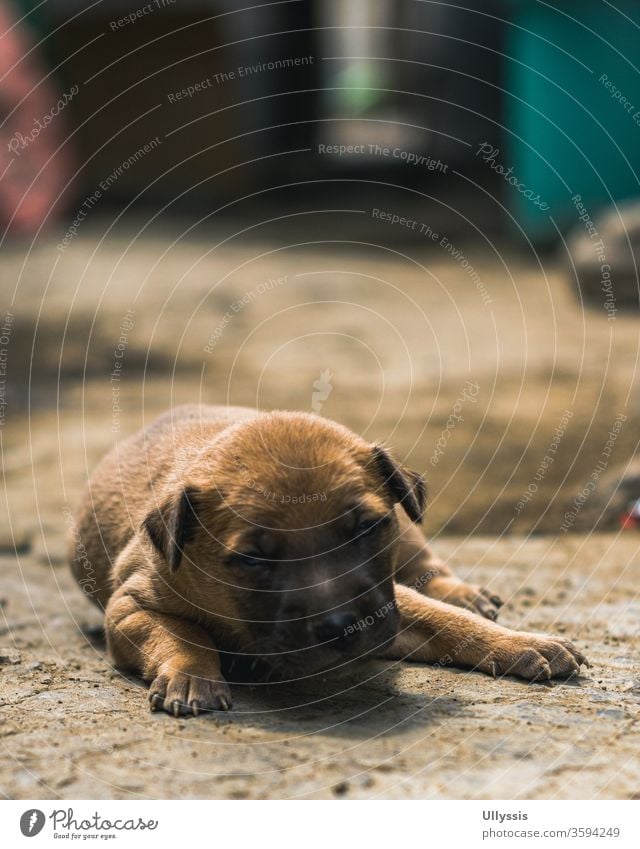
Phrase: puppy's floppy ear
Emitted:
{"points": [[172, 525], [408, 488]]}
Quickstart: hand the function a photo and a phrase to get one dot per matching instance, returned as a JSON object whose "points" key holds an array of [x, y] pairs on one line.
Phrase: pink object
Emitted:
{"points": [[33, 173]]}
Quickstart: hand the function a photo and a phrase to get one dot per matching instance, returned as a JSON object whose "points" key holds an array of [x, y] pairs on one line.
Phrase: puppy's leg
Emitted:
{"points": [[175, 655], [419, 568], [434, 632]]}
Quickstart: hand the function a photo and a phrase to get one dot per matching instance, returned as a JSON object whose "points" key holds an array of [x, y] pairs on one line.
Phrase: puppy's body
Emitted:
{"points": [[282, 536]]}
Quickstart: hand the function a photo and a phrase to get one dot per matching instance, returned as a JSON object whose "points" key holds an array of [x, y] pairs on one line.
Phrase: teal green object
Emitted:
{"points": [[572, 108], [35, 15]]}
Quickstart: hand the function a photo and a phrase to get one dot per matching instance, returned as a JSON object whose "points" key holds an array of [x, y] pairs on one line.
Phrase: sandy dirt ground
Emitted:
{"points": [[74, 728], [408, 347]]}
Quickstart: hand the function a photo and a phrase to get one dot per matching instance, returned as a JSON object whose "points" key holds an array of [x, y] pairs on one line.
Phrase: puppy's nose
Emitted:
{"points": [[338, 629]]}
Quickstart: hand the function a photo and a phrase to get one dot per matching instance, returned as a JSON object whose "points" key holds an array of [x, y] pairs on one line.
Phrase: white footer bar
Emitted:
{"points": [[376, 824]]}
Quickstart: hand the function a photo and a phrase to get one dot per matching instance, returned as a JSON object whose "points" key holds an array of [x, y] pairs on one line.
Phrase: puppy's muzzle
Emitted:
{"points": [[338, 631]]}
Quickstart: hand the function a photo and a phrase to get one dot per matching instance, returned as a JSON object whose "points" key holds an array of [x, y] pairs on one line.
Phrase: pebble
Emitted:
{"points": [[15, 541]]}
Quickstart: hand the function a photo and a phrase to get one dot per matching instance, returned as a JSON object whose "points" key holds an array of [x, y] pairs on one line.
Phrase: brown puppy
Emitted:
{"points": [[282, 536]]}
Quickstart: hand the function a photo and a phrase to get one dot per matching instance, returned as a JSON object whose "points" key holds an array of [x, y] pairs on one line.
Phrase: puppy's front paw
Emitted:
{"points": [[534, 657], [469, 596], [183, 694]]}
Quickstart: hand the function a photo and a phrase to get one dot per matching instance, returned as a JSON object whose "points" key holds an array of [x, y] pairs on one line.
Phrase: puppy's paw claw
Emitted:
{"points": [[536, 658], [155, 701], [181, 694], [469, 596], [478, 601], [225, 704], [495, 600]]}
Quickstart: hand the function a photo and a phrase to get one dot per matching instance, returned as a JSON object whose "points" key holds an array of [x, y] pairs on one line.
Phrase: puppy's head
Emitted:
{"points": [[286, 532]]}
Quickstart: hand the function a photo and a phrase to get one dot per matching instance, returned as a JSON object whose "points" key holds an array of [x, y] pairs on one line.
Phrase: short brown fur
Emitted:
{"points": [[284, 537]]}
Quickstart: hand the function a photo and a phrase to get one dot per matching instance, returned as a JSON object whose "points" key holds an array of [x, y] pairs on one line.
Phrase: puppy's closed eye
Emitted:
{"points": [[370, 526], [249, 559]]}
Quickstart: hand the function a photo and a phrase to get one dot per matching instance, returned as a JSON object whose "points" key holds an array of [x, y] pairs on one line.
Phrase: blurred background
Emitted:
{"points": [[418, 218]]}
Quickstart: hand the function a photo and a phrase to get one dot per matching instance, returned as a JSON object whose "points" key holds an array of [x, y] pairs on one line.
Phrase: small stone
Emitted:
{"points": [[50, 549], [15, 541], [238, 794], [35, 664]]}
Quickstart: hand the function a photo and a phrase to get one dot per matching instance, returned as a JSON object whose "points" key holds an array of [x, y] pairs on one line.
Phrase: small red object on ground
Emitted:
{"points": [[631, 517]]}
